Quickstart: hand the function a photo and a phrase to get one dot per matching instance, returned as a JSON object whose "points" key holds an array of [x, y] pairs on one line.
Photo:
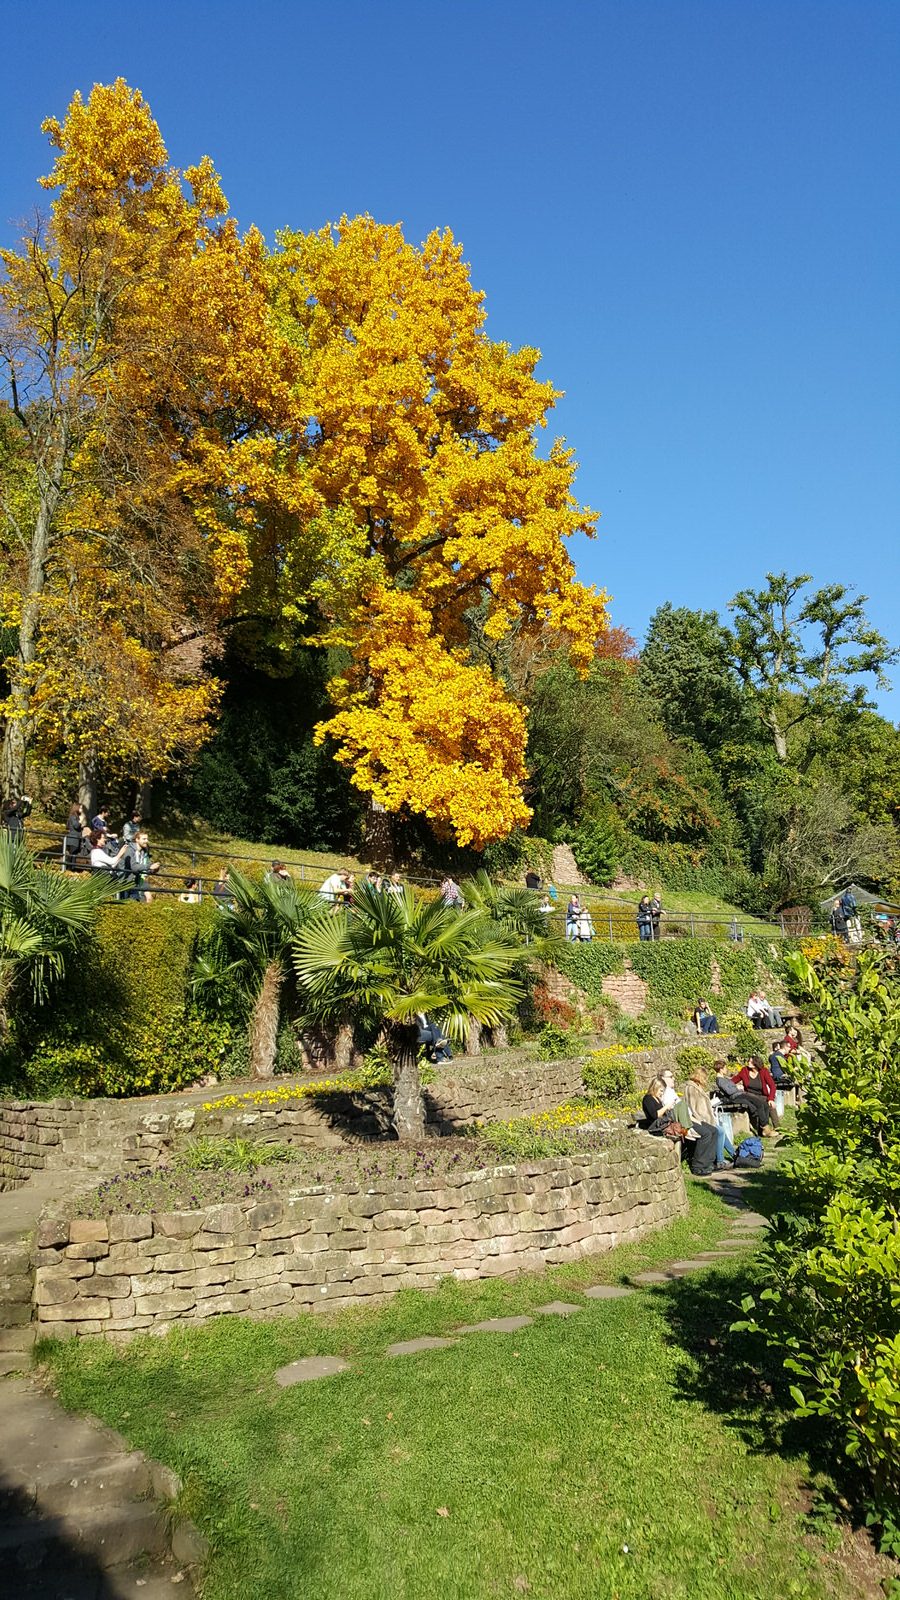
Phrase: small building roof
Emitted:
{"points": [[862, 897]]}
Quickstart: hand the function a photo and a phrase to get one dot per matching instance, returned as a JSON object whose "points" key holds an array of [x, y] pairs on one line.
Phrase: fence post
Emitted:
{"points": [[781, 920], [692, 925], [610, 928]]}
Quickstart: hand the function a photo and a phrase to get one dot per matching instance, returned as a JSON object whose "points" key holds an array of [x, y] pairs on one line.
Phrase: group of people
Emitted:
{"points": [[649, 916], [699, 1115], [125, 856], [844, 918]]}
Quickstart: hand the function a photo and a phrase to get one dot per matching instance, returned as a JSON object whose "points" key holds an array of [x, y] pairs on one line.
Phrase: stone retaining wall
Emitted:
{"points": [[321, 1250], [30, 1131]]}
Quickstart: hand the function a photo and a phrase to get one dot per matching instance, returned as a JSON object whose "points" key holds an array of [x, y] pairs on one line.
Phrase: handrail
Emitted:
{"points": [[595, 897]]}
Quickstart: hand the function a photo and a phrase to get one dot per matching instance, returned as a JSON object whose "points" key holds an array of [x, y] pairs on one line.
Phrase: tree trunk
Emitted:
{"points": [[88, 785], [18, 710], [499, 1036], [144, 799], [263, 1031], [409, 1107], [473, 1041], [378, 833]]}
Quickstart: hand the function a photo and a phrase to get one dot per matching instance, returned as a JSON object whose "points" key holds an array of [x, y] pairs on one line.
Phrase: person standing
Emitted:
{"points": [[645, 918], [839, 921], [532, 879], [573, 917], [656, 914], [451, 894]]}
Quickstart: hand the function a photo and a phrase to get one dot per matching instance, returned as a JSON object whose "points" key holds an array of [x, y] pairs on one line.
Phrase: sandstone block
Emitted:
{"points": [[116, 1266], [128, 1227], [84, 1230], [52, 1232], [181, 1224], [222, 1305], [222, 1219], [53, 1289], [115, 1288], [265, 1214], [203, 1277], [93, 1310], [170, 1303], [276, 1294], [173, 1261], [94, 1251]]}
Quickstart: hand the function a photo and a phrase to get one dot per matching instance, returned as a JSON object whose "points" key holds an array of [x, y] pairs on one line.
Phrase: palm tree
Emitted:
{"points": [[395, 957], [514, 909], [248, 955], [517, 911], [44, 917]]}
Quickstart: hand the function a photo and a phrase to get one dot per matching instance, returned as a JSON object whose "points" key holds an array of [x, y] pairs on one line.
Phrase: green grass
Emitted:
{"points": [[509, 1464]]}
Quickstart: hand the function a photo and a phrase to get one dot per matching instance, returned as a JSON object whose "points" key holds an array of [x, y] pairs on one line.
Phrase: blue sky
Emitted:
{"points": [[690, 206]]}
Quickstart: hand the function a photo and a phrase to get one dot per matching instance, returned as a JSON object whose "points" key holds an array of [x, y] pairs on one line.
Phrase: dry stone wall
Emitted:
{"points": [[317, 1249], [31, 1133]]}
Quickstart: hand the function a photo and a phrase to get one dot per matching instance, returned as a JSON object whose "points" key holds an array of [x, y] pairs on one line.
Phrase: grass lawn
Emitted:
{"points": [[602, 1457]]}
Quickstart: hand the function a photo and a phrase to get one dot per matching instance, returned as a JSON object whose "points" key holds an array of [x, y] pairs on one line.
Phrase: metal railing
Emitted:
{"points": [[612, 919]]}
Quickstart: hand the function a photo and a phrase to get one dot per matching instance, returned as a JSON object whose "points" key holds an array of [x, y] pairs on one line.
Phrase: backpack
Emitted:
{"points": [[750, 1152]]}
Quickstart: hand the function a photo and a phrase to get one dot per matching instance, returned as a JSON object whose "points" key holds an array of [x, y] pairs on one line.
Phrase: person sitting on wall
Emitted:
{"points": [[778, 1066], [659, 1102], [703, 1019], [733, 1098], [436, 1047], [758, 1087], [711, 1143]]}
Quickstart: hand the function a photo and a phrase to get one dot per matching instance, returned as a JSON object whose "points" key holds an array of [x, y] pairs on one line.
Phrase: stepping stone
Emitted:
{"points": [[608, 1291], [411, 1347], [642, 1278], [732, 1244], [751, 1220], [556, 1308], [681, 1267], [310, 1367], [497, 1325]]}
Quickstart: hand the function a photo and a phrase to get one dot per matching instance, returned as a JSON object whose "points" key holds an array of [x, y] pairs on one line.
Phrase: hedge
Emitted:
{"points": [[122, 1022]]}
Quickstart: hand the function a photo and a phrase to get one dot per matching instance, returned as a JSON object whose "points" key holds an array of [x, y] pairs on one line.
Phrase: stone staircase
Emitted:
{"points": [[84, 1516]]}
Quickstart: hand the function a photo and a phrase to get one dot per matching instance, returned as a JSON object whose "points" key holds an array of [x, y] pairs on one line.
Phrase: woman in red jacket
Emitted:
{"points": [[758, 1086]]}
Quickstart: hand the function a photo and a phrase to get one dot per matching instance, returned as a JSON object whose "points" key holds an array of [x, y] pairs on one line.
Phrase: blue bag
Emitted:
{"points": [[750, 1152]]}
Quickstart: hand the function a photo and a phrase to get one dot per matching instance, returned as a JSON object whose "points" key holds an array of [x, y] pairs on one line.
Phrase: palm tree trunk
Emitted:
{"points": [[409, 1107], [263, 1030], [473, 1038]]}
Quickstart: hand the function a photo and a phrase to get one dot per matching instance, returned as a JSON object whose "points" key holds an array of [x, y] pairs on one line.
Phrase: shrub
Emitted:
{"points": [[588, 964], [636, 1032], [832, 1298], [557, 1044], [693, 1056], [609, 1075], [595, 849], [511, 857], [746, 1042]]}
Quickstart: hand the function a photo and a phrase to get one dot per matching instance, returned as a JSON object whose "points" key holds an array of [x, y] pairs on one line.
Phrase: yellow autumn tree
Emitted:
{"points": [[424, 431], [148, 388]]}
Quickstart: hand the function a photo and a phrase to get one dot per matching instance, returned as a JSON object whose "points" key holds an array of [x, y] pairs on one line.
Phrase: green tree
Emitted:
{"points": [[396, 957], [798, 654], [44, 917], [687, 670], [247, 957]]}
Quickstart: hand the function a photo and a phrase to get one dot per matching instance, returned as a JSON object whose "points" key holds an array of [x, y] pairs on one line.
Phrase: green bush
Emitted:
{"points": [[609, 1076], [588, 964], [747, 1043], [638, 1032], [557, 1044], [511, 857], [692, 1056], [595, 848], [832, 1297]]}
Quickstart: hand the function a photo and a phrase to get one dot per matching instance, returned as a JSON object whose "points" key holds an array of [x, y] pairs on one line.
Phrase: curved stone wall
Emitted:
{"points": [[317, 1249]]}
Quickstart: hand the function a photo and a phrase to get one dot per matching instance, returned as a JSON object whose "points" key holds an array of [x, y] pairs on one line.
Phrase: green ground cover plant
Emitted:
{"points": [[571, 1461]]}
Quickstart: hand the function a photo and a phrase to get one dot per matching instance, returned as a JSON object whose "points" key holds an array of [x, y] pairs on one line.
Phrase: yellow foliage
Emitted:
{"points": [[422, 727]]}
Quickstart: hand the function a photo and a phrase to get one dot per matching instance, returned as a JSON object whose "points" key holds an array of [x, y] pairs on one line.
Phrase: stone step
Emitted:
{"points": [[109, 1534], [18, 1339], [63, 1488]]}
